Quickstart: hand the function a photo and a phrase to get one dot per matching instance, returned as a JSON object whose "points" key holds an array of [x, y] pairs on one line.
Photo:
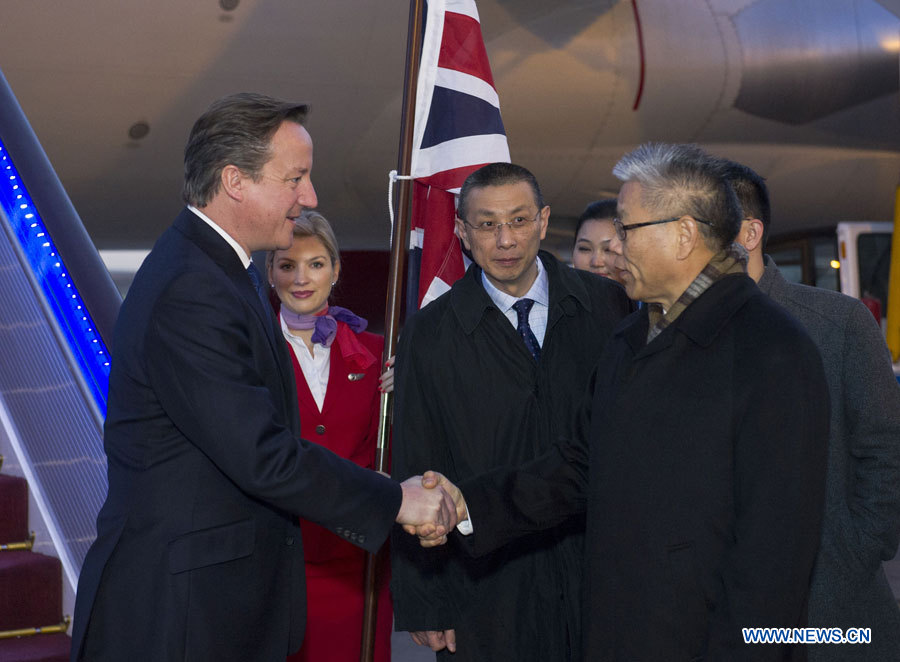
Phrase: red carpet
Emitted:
{"points": [[13, 509], [30, 585], [40, 648]]}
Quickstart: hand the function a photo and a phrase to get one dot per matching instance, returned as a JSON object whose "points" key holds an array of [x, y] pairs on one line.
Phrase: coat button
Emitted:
{"points": [[289, 541], [320, 429]]}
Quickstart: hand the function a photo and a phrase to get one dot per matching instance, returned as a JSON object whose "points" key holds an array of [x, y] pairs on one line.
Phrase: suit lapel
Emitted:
{"points": [[209, 241], [304, 395], [338, 374]]}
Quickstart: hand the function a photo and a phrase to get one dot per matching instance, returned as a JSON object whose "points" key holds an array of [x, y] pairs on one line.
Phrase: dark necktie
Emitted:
{"points": [[523, 307], [257, 280]]}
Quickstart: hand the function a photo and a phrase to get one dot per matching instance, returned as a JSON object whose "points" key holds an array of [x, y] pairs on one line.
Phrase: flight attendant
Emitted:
{"points": [[593, 233], [336, 365]]}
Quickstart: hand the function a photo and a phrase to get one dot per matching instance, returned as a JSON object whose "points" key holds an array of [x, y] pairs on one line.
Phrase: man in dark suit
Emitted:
{"points": [[481, 386], [861, 526], [198, 553], [699, 455]]}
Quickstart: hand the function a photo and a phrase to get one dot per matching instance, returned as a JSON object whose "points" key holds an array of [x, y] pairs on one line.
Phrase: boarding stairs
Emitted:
{"points": [[32, 628]]}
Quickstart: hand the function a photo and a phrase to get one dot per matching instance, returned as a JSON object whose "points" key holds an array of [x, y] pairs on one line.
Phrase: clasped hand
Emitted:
{"points": [[432, 506]]}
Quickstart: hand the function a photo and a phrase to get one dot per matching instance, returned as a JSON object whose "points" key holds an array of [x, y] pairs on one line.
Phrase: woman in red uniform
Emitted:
{"points": [[337, 367]]}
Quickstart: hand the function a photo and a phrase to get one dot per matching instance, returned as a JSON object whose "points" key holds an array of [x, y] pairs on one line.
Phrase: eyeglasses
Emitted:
{"points": [[519, 225], [622, 229]]}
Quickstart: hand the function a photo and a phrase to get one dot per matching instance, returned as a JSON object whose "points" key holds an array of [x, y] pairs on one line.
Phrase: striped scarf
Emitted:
{"points": [[730, 260]]}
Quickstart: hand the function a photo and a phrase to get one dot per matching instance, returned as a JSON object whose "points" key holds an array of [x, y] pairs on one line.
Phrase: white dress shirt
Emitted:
{"points": [[241, 253], [315, 366], [539, 293]]}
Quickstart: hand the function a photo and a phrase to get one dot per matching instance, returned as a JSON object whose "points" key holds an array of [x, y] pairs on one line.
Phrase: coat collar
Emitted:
{"points": [[209, 241], [773, 281], [223, 255], [469, 300], [702, 321]]}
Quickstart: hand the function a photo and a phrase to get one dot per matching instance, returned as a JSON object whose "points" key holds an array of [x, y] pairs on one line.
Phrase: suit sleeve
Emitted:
{"points": [[204, 360], [871, 411], [780, 450], [508, 503], [421, 579]]}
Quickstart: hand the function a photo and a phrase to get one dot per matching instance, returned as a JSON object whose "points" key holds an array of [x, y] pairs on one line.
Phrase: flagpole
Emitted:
{"points": [[399, 239]]}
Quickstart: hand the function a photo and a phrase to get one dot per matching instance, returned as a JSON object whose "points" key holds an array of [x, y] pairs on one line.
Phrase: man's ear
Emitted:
{"points": [[544, 220], [232, 180], [461, 233], [750, 235], [687, 237]]}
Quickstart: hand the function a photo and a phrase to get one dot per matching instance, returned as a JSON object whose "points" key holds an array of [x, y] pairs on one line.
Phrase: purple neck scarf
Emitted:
{"points": [[324, 323]]}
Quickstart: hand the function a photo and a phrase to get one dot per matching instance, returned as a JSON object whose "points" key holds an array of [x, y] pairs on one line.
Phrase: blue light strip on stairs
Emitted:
{"points": [[50, 273]]}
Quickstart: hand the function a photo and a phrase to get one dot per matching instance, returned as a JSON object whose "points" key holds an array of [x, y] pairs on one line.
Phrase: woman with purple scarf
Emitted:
{"points": [[336, 365]]}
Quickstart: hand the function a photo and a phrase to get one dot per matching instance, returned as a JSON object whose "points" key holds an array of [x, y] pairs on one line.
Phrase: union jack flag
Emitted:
{"points": [[458, 129]]}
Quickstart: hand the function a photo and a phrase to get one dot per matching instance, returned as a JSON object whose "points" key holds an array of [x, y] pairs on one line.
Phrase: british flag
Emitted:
{"points": [[458, 129]]}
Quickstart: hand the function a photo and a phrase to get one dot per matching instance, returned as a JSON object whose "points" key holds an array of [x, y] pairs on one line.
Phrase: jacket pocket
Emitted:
{"points": [[206, 547]]}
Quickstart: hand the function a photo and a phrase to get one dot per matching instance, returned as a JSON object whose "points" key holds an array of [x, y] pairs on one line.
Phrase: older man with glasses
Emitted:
{"points": [[487, 376], [699, 456]]}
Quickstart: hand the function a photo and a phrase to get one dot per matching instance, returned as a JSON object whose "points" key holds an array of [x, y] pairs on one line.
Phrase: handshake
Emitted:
{"points": [[432, 506]]}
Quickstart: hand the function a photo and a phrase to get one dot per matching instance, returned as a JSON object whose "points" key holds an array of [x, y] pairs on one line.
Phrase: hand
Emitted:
{"points": [[431, 480], [428, 512], [436, 639], [386, 381]]}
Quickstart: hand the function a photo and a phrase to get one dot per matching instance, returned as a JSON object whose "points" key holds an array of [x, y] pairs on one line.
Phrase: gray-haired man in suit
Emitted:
{"points": [[862, 512]]}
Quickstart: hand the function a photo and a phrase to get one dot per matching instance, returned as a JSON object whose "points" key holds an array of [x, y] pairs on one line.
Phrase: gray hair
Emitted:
{"points": [[235, 130], [684, 180]]}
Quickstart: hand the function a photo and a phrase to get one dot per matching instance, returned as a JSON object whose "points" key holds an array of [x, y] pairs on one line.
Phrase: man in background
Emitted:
{"points": [[861, 526]]}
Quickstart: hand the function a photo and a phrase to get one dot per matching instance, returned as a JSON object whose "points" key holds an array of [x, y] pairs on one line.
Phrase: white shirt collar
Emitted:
{"points": [[539, 292], [241, 253]]}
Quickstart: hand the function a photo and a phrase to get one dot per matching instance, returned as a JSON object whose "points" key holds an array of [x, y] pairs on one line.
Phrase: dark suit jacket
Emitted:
{"points": [[702, 462], [198, 556], [470, 398], [862, 504]]}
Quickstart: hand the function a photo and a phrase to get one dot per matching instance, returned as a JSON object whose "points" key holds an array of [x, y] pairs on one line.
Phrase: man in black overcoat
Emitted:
{"points": [[699, 455], [198, 553], [478, 388]]}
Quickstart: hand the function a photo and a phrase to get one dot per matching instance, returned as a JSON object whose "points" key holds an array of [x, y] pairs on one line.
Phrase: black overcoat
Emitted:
{"points": [[701, 457], [198, 553], [470, 398]]}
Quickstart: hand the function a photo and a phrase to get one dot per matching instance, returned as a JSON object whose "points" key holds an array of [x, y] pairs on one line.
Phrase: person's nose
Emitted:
{"points": [[615, 245], [307, 195], [506, 238], [597, 258], [301, 275]]}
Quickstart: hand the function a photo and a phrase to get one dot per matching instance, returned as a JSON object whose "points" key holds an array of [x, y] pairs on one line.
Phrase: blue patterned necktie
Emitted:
{"points": [[522, 308], [257, 280]]}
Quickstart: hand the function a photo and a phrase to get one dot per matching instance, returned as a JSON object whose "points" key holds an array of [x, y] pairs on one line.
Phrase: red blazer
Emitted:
{"points": [[347, 425]]}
